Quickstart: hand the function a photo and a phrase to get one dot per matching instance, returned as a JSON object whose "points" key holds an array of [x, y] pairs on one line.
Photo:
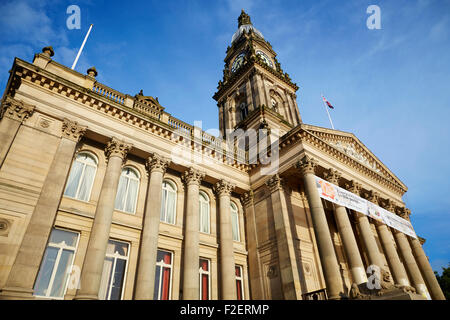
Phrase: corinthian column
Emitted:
{"points": [[13, 113], [425, 268], [367, 235], [395, 265], [26, 266], [255, 273], [325, 245], [408, 258], [116, 152], [348, 238], [191, 290], [227, 267], [290, 281], [145, 280]]}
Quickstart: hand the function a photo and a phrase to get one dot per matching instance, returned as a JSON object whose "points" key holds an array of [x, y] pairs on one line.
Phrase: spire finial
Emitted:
{"points": [[243, 19]]}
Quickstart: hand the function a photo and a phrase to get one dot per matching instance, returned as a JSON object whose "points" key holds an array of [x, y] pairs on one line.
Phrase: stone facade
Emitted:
{"points": [[235, 229]]}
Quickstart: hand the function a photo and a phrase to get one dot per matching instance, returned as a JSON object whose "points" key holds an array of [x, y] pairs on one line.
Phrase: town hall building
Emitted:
{"points": [[106, 195]]}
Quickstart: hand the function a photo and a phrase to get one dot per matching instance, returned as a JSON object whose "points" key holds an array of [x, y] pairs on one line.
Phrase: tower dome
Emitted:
{"points": [[245, 25]]}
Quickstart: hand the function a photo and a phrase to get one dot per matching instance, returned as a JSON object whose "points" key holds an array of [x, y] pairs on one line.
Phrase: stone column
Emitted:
{"points": [[191, 290], [410, 262], [248, 89], [223, 190], [254, 263], [386, 239], [145, 279], [91, 274], [424, 266], [13, 113], [23, 273], [290, 280], [365, 230], [325, 245], [348, 238]]}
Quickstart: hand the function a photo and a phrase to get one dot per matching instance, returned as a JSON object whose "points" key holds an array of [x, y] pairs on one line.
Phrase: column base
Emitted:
{"points": [[391, 292], [16, 293]]}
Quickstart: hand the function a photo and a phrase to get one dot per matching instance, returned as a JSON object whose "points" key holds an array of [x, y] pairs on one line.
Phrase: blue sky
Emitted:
{"points": [[390, 87]]}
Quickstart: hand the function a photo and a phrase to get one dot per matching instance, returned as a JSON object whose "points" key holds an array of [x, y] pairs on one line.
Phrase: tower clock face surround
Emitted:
{"points": [[238, 62], [264, 58]]}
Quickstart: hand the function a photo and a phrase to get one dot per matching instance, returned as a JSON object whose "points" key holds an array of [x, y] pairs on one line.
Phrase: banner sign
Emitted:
{"points": [[342, 197]]}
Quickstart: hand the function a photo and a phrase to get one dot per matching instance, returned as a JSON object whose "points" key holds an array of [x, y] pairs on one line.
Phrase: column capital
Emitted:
{"points": [[404, 213], [223, 187], [354, 187], [16, 110], [247, 198], [72, 130], [372, 196], [306, 165], [388, 205], [155, 162], [117, 148], [275, 183], [192, 176], [332, 176]]}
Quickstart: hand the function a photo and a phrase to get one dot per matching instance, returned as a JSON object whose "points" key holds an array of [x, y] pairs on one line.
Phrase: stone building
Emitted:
{"points": [[104, 195]]}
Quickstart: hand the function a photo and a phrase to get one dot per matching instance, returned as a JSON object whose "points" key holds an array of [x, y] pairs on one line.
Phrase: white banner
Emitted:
{"points": [[342, 197]]}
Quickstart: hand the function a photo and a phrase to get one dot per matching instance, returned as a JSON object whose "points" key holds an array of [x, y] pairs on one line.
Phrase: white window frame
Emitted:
{"points": [[202, 272], [169, 182], [237, 220], [162, 265], [116, 255], [200, 211], [61, 247], [82, 176], [241, 279], [124, 200]]}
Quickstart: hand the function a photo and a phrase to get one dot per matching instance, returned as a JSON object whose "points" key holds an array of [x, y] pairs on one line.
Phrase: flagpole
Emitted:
{"points": [[82, 46], [328, 113]]}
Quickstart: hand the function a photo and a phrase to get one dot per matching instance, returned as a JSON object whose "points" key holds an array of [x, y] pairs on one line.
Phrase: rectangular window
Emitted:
{"points": [[114, 270], [205, 285], [56, 265], [163, 276], [239, 283]]}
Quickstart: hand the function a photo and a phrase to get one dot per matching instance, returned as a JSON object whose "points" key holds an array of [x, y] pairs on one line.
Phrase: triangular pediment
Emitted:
{"points": [[350, 145]]}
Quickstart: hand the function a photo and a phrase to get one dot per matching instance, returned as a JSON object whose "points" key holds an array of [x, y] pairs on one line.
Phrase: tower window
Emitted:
{"points": [[244, 110]]}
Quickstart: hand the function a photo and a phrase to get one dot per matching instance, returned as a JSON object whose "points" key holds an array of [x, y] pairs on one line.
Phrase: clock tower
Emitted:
{"points": [[254, 93]]}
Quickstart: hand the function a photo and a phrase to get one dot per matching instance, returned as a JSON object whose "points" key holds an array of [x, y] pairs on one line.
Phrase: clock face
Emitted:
{"points": [[238, 62], [264, 58]]}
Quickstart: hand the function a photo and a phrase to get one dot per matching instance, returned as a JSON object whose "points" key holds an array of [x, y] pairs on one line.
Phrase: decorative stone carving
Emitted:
{"points": [[354, 187], [117, 148], [247, 198], [157, 162], [389, 205], [223, 187], [48, 51], [332, 176], [192, 176], [306, 165], [350, 150], [275, 183], [5, 226], [16, 110], [271, 272], [372, 196], [72, 130], [404, 213]]}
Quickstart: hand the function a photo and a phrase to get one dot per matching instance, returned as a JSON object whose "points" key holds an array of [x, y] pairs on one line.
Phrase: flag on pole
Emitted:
{"points": [[327, 102]]}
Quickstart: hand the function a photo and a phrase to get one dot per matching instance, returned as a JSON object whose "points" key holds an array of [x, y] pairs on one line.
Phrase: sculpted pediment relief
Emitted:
{"points": [[348, 144]]}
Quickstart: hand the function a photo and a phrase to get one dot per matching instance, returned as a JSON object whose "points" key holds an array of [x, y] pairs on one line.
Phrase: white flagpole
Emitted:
{"points": [[328, 113], [82, 46]]}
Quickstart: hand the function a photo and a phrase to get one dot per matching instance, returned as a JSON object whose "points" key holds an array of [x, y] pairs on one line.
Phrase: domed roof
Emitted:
{"points": [[245, 25]]}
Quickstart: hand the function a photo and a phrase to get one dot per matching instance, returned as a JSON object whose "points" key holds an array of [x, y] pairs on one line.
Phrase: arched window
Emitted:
{"points": [[127, 190], [81, 177], [244, 110], [168, 202], [274, 105], [204, 212], [235, 222]]}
